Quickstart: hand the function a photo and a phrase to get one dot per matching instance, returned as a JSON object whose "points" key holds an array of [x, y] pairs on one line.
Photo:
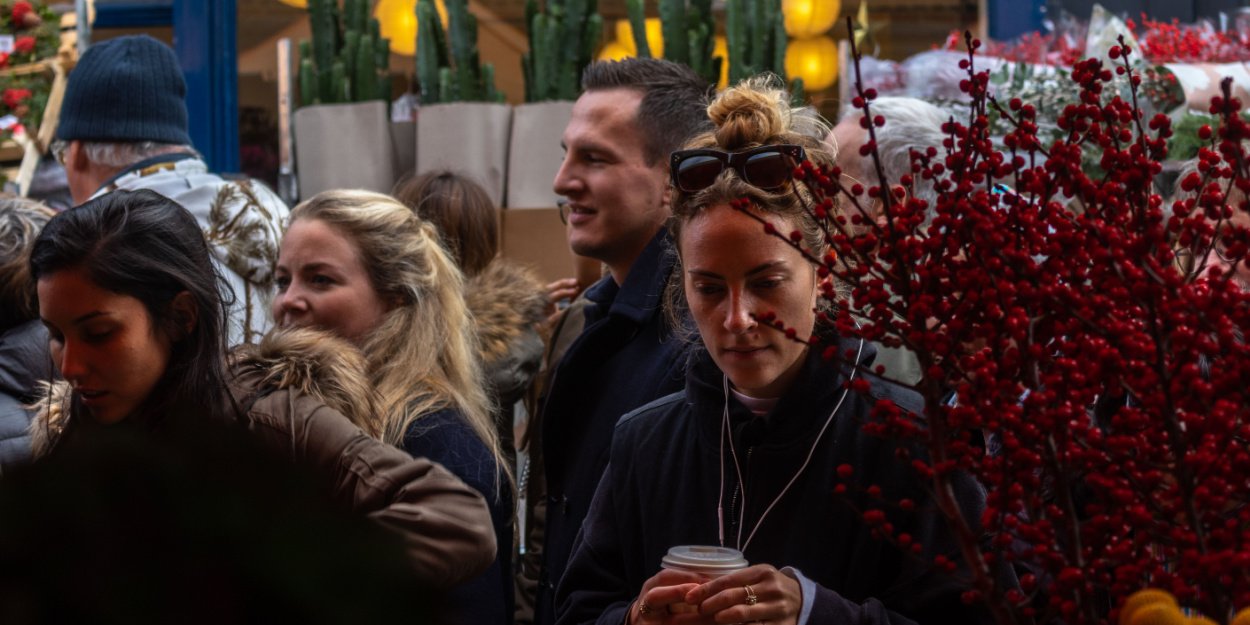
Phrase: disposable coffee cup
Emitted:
{"points": [[708, 561]]}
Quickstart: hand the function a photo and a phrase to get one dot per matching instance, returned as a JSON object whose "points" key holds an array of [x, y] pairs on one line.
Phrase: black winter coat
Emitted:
{"points": [[661, 489], [625, 357]]}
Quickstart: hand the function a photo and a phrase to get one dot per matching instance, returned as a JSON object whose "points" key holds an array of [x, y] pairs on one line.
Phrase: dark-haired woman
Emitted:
{"points": [[747, 456], [133, 305]]}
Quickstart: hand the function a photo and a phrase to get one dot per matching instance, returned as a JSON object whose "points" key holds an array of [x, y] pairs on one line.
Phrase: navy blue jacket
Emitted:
{"points": [[662, 486], [24, 361], [625, 357], [446, 438]]}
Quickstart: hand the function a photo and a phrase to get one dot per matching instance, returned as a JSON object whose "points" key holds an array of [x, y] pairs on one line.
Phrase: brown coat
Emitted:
{"points": [[444, 524]]}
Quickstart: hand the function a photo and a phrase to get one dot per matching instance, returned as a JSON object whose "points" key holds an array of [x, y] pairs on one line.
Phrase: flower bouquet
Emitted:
{"points": [[29, 35]]}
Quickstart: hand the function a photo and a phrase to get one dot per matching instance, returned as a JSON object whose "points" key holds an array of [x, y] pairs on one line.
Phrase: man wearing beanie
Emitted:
{"points": [[124, 126]]}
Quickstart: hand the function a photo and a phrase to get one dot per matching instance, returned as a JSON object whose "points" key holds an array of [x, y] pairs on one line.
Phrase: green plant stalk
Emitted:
{"points": [[699, 58], [539, 30], [575, 14], [324, 34], [736, 38], [365, 75], [563, 39], [571, 79], [349, 15], [778, 41], [527, 75], [360, 21], [474, 75], [551, 59], [673, 26], [446, 86], [309, 82], [527, 58], [553, 37], [456, 27], [429, 52], [351, 45], [385, 87], [760, 28], [488, 80], [382, 54], [338, 83], [798, 92], [638, 24]]}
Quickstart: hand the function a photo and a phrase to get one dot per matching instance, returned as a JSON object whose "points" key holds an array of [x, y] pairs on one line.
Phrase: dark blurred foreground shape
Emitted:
{"points": [[191, 526]]}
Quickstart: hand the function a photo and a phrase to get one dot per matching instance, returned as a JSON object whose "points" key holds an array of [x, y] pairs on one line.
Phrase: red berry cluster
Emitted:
{"points": [[1100, 385], [1171, 42], [1037, 48]]}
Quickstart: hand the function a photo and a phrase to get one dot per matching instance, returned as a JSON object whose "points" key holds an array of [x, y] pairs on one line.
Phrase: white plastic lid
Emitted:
{"points": [[706, 560]]}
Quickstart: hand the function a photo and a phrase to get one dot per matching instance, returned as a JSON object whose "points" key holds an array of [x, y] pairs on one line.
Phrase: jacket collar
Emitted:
{"points": [[149, 165], [642, 294], [800, 412]]}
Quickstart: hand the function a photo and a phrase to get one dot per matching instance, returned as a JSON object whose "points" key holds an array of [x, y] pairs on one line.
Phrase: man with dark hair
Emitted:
{"points": [[615, 177], [124, 126]]}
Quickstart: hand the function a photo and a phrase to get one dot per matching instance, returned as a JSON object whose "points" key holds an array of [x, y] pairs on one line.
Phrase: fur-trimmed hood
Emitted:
{"points": [[311, 362], [303, 361], [50, 420], [507, 302]]}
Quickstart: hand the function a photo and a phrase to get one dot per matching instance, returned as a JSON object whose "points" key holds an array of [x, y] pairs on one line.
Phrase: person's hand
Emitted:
{"points": [[662, 600], [756, 593], [564, 288]]}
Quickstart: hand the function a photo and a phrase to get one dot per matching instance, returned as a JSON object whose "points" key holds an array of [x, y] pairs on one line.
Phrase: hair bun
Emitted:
{"points": [[750, 113]]}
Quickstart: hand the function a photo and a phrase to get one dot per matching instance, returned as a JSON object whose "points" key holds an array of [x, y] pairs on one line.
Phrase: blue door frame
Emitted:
{"points": [[204, 38], [1008, 19]]}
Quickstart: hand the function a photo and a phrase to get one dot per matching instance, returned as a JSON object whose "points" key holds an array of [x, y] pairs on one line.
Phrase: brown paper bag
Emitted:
{"points": [[343, 146], [534, 153], [467, 137]]}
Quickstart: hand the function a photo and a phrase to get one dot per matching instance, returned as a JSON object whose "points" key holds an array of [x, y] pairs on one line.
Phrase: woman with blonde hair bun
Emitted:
{"points": [[760, 462], [365, 267]]}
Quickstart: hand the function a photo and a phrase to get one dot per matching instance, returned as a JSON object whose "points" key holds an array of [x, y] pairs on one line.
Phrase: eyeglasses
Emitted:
{"points": [[769, 167]]}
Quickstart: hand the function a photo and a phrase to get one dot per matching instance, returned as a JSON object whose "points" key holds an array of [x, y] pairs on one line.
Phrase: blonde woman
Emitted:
{"points": [[365, 267]]}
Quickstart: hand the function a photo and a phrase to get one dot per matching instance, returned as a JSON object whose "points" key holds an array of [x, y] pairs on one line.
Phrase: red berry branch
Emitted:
{"points": [[1078, 360]]}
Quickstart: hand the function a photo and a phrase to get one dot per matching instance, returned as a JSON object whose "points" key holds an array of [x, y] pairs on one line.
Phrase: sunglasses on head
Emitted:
{"points": [[768, 167]]}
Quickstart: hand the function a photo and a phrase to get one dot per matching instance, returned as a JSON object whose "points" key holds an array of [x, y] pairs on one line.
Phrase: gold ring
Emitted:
{"points": [[751, 598], [643, 608]]}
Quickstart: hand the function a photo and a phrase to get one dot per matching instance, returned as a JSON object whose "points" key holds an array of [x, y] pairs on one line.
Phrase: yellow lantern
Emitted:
{"points": [[614, 51], [815, 60], [398, 19], [720, 47], [655, 36], [299, 4], [808, 18], [624, 32]]}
